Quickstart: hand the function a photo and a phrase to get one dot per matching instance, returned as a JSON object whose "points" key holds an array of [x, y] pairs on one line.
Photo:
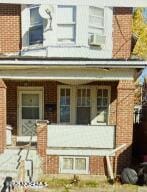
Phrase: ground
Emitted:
{"points": [[63, 185], [114, 188]]}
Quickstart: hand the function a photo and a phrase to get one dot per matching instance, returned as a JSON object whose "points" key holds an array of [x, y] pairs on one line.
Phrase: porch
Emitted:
{"points": [[72, 105], [88, 116]]}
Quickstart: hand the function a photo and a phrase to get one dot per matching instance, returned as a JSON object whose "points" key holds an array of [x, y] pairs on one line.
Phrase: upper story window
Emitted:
{"points": [[66, 24], [96, 21], [36, 27]]}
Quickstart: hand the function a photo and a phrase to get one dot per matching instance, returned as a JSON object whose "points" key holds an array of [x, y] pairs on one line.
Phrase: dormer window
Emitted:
{"points": [[66, 24], [36, 27], [96, 21]]}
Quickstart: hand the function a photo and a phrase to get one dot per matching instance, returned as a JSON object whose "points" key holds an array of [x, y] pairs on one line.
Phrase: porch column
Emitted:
{"points": [[2, 116], [124, 122], [42, 142]]}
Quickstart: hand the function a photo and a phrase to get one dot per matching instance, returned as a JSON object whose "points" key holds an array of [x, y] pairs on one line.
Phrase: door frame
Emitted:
{"points": [[31, 90]]}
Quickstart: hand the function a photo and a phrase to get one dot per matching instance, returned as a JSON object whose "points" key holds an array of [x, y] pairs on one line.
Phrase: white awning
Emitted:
{"points": [[109, 3]]}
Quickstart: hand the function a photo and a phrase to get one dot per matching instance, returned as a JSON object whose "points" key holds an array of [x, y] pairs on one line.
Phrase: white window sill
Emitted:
{"points": [[74, 172], [33, 47]]}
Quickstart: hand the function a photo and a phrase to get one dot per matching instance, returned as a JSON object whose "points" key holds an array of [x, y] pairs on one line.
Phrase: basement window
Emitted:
{"points": [[76, 165]]}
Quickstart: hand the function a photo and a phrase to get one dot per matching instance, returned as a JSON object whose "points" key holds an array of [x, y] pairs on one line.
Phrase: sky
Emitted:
{"points": [[144, 73]]}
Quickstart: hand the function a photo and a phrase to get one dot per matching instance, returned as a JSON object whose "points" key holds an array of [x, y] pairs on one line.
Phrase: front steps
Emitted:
{"points": [[13, 163]]}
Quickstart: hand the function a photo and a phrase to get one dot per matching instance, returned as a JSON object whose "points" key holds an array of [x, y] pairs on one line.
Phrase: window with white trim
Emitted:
{"points": [[36, 26], [78, 165], [83, 106], [65, 94], [96, 21], [102, 105], [66, 24]]}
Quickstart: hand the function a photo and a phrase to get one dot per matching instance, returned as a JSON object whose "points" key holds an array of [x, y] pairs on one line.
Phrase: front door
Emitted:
{"points": [[30, 110]]}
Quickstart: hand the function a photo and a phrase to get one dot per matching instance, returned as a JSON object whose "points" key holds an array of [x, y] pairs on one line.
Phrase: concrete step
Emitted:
{"points": [[11, 159]]}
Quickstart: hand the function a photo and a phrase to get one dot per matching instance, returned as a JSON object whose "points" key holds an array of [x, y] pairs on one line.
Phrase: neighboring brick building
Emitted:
{"points": [[74, 70]]}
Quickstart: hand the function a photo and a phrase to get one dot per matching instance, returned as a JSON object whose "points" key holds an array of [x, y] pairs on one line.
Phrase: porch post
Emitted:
{"points": [[42, 141], [124, 122], [2, 116]]}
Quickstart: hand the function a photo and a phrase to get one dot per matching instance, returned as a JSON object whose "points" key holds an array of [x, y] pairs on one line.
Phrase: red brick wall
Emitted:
{"points": [[124, 128], [2, 116], [52, 164], [97, 165], [42, 143], [10, 28], [122, 32]]}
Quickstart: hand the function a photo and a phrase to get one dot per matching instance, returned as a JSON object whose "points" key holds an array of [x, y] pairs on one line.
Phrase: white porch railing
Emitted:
{"points": [[81, 136]]}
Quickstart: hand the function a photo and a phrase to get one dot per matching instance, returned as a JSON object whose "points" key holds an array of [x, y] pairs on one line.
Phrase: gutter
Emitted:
{"points": [[134, 64]]}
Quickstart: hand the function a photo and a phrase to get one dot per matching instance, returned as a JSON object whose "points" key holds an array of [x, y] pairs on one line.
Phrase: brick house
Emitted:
{"points": [[73, 69]]}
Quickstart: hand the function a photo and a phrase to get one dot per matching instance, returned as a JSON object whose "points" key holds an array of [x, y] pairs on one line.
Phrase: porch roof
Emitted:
{"points": [[16, 61]]}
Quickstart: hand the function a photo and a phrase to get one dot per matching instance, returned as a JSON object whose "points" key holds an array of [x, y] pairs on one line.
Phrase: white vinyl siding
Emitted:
{"points": [[66, 24], [77, 165]]}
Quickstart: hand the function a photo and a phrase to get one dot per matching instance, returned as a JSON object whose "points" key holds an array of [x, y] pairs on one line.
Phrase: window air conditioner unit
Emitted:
{"points": [[97, 40]]}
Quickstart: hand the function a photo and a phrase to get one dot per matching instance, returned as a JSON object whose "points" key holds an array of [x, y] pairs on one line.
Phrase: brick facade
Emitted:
{"points": [[10, 28], [42, 143], [122, 32], [2, 116], [124, 125]]}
